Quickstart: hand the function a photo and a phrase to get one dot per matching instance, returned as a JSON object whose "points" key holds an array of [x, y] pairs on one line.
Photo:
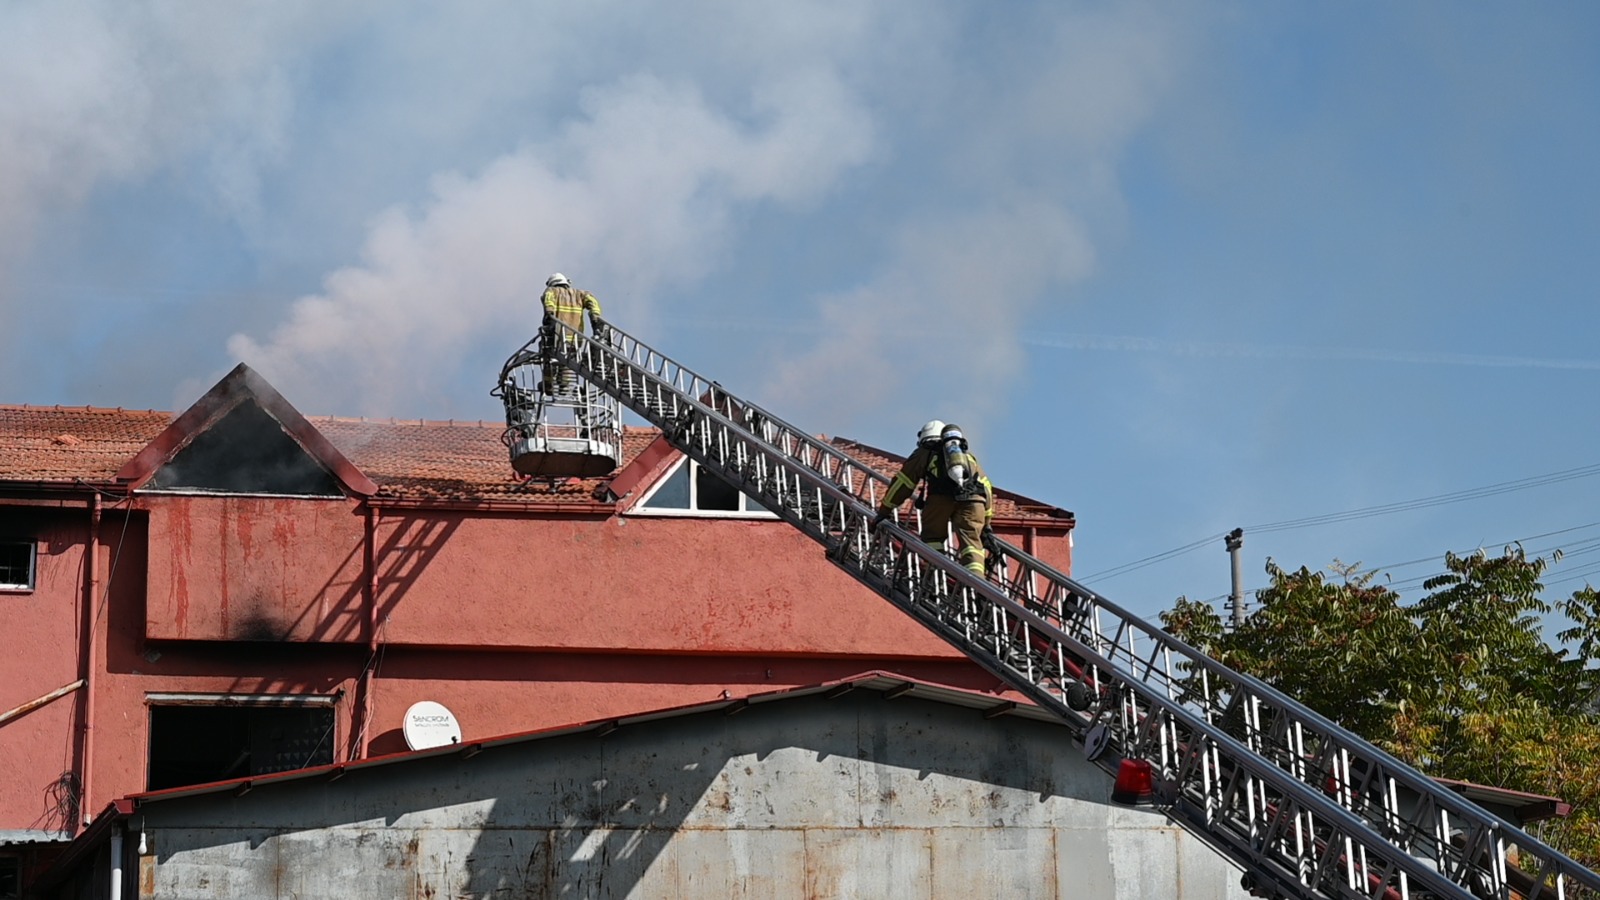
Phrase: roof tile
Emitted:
{"points": [[411, 459]]}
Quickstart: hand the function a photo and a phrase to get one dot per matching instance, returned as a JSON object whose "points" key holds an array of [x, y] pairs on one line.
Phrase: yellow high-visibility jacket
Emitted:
{"points": [[568, 304], [928, 462]]}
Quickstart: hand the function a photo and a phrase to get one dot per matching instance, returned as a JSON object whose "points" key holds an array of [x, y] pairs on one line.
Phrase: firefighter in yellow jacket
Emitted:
{"points": [[958, 491], [566, 303]]}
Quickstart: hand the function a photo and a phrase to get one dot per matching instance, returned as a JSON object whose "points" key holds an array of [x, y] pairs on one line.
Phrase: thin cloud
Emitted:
{"points": [[941, 318], [1127, 344], [106, 92]]}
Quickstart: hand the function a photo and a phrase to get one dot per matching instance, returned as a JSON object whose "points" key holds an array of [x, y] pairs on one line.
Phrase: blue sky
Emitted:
{"points": [[1178, 268]]}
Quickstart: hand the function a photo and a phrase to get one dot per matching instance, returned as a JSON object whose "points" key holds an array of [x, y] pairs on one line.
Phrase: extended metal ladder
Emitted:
{"points": [[1306, 808]]}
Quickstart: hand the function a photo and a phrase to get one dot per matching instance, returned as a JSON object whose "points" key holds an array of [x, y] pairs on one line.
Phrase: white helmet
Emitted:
{"points": [[930, 431], [556, 280]]}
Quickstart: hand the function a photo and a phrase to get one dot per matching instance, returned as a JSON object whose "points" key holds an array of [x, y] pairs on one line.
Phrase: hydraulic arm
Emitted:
{"points": [[1303, 806]]}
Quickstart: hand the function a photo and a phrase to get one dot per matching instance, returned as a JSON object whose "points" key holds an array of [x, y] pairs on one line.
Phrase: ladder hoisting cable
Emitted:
{"points": [[1305, 807]]}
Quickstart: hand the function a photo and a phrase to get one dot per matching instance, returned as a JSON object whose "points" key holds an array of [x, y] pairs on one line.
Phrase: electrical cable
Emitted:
{"points": [[1363, 513], [1426, 502], [1151, 560]]}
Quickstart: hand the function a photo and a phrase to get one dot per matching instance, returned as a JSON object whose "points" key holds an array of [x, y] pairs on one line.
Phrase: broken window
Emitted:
{"points": [[196, 743], [245, 452]]}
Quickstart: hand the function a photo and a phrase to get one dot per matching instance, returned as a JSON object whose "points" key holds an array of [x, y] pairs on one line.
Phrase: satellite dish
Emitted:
{"points": [[429, 724]]}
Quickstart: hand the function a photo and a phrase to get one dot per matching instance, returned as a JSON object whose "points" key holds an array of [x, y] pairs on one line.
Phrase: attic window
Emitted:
{"points": [[17, 560], [689, 490], [247, 451]]}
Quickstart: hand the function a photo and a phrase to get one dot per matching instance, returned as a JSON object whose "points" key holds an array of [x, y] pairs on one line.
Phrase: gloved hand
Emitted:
{"points": [[990, 543], [879, 518], [601, 330]]}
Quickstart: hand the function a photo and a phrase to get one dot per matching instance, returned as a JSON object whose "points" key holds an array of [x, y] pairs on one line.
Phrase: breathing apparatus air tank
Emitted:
{"points": [[954, 446]]}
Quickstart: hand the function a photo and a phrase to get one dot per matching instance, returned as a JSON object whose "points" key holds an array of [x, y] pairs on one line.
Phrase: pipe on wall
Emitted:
{"points": [[115, 888], [86, 663], [368, 675], [37, 702]]}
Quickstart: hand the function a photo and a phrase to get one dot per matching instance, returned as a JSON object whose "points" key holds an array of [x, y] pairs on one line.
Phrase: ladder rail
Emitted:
{"points": [[1044, 633]]}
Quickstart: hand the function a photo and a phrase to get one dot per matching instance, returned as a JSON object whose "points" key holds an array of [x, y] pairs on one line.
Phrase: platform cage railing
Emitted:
{"points": [[557, 423]]}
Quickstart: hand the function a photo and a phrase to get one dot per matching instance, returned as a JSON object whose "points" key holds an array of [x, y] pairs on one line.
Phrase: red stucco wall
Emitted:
{"points": [[516, 621], [284, 569], [42, 651], [247, 568], [632, 584]]}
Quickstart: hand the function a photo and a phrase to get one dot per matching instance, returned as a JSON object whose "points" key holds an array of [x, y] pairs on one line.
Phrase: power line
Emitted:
{"points": [[1151, 560], [1426, 502], [1462, 496], [1587, 546]]}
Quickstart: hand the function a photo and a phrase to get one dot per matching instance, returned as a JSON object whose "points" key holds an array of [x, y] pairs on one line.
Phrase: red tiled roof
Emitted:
{"points": [[410, 460], [428, 460], [65, 444]]}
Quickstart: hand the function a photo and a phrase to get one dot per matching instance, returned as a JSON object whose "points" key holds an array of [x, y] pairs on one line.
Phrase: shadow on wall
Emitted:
{"points": [[801, 793]]}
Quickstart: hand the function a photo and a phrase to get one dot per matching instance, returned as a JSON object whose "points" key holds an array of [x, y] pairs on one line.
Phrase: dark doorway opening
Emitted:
{"points": [[200, 744]]}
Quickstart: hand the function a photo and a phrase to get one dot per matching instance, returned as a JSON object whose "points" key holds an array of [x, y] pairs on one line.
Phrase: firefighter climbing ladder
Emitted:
{"points": [[1304, 807]]}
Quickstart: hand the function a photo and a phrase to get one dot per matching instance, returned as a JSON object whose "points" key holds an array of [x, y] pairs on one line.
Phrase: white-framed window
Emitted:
{"points": [[18, 561], [689, 490]]}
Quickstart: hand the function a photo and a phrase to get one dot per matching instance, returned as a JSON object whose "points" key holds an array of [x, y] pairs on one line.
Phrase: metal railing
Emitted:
{"points": [[1305, 807]]}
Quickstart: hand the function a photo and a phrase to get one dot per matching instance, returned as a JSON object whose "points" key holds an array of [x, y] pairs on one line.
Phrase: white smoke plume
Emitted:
{"points": [[426, 167], [635, 195]]}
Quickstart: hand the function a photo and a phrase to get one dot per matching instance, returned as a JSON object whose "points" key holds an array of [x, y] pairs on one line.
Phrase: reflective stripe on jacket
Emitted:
{"points": [[568, 304], [926, 462]]}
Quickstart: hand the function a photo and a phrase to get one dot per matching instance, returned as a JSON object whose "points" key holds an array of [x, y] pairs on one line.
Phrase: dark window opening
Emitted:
{"points": [[246, 452], [201, 744], [16, 565], [713, 492], [10, 878]]}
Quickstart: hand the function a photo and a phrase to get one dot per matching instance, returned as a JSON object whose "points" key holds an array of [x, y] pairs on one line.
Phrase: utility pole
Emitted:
{"points": [[1235, 541]]}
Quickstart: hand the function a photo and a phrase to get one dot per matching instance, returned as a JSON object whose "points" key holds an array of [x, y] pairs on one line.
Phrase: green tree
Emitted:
{"points": [[1462, 684]]}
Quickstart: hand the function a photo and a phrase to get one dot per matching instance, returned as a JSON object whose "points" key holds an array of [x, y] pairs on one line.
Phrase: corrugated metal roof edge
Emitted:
{"points": [[889, 683], [876, 679]]}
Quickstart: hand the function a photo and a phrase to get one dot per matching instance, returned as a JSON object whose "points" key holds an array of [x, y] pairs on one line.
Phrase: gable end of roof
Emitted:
{"points": [[243, 385]]}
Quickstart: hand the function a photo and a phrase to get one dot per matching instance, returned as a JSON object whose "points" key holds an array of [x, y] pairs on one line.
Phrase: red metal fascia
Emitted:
{"points": [[51, 490], [499, 506], [1042, 526], [64, 495], [642, 466]]}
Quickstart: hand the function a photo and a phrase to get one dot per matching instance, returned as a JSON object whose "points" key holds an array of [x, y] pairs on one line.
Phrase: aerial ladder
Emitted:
{"points": [[1304, 807]]}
